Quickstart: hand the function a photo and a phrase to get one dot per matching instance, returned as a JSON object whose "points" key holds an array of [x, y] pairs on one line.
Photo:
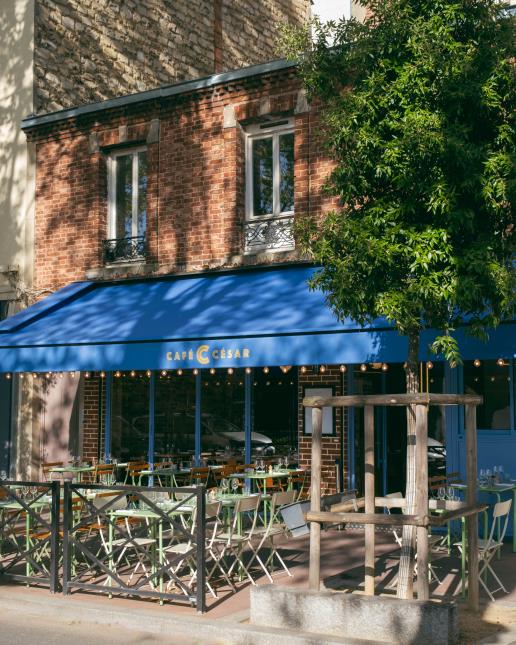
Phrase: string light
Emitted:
{"points": [[118, 374], [48, 374], [322, 368], [363, 367], [303, 369], [430, 365], [343, 369], [149, 373], [180, 372], [265, 370], [163, 372], [195, 372], [385, 367], [86, 375], [248, 370], [212, 371], [102, 374], [61, 374], [500, 362], [230, 370], [477, 362], [285, 368], [133, 373], [8, 375], [72, 374], [22, 375]]}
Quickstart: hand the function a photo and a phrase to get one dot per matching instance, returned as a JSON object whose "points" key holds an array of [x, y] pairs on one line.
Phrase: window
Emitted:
{"points": [[270, 185], [127, 187], [492, 380]]}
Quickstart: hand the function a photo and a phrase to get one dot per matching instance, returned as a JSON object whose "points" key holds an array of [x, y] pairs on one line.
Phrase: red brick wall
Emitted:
{"points": [[93, 395], [196, 201], [331, 445]]}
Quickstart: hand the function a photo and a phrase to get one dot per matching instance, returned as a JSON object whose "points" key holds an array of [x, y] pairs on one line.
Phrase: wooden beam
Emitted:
{"points": [[391, 399], [390, 502], [471, 495], [350, 505], [314, 572], [423, 592], [369, 497], [369, 519]]}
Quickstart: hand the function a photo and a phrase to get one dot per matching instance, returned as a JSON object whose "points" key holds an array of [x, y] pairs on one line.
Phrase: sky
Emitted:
{"points": [[331, 9]]}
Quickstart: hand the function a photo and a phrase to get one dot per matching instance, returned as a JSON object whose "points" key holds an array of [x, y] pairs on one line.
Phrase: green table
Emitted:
{"points": [[76, 471]]}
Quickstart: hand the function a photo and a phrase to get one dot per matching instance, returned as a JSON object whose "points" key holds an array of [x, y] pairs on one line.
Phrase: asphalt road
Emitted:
{"points": [[25, 630]]}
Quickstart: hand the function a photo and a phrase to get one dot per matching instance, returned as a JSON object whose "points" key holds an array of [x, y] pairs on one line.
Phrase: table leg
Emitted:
{"points": [[463, 557]]}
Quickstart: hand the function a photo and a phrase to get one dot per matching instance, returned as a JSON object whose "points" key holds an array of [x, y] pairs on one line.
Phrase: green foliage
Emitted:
{"points": [[418, 114]]}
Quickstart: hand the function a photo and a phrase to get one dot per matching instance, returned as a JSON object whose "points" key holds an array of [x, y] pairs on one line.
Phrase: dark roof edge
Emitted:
{"points": [[161, 92]]}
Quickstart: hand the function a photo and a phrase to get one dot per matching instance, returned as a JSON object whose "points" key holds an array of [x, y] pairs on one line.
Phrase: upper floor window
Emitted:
{"points": [[127, 191], [270, 185], [492, 380]]}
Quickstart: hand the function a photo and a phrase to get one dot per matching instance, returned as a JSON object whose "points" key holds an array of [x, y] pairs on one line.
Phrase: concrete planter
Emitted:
{"points": [[375, 618]]}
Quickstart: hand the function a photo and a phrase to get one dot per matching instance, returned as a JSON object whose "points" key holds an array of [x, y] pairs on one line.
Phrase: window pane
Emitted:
{"points": [[492, 381], [130, 417], [262, 176], [124, 195], [275, 414], [286, 160], [174, 437], [142, 193], [222, 424]]}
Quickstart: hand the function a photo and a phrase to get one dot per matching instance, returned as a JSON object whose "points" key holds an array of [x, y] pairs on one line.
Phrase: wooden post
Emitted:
{"points": [[422, 500], [471, 494], [314, 574], [369, 497]]}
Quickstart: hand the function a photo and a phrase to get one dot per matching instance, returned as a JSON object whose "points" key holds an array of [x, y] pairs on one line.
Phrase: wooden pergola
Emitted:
{"points": [[422, 519]]}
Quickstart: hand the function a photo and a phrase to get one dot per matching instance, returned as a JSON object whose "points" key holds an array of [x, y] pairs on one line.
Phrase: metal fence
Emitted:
{"points": [[29, 532], [135, 540]]}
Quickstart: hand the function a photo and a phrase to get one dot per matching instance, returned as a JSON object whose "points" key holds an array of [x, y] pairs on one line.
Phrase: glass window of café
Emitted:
{"points": [[174, 434], [492, 380], [222, 415], [274, 413], [130, 416]]}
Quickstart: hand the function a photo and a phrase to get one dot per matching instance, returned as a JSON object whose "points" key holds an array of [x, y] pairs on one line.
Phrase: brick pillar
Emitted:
{"points": [[94, 392], [331, 445]]}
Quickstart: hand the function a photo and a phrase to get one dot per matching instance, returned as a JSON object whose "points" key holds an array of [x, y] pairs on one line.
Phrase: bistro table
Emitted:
{"points": [[76, 471], [498, 490]]}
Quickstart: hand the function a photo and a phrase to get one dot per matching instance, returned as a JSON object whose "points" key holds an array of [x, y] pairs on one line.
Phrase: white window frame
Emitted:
{"points": [[254, 133], [111, 163]]}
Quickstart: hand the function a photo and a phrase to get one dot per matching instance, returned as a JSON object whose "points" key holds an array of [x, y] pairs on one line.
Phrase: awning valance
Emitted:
{"points": [[232, 319]]}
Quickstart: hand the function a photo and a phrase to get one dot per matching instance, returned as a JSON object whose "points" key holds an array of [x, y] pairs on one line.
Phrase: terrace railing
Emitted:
{"points": [[29, 532], [135, 541]]}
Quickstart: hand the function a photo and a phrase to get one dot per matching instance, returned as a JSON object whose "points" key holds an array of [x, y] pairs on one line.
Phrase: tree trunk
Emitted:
{"points": [[406, 570]]}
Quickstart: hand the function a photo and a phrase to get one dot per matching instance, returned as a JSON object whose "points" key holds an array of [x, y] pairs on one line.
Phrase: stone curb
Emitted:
{"points": [[214, 631]]}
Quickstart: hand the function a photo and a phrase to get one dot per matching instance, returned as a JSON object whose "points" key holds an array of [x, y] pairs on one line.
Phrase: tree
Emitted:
{"points": [[418, 114]]}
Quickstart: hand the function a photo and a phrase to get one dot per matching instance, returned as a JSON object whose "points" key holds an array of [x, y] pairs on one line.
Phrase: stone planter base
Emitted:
{"points": [[376, 618]]}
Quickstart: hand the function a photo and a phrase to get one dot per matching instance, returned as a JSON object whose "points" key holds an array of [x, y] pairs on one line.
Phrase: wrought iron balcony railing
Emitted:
{"points": [[124, 249], [273, 234]]}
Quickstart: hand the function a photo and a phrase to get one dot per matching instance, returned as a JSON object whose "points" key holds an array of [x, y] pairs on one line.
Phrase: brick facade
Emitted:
{"points": [[195, 203], [91, 50], [195, 199]]}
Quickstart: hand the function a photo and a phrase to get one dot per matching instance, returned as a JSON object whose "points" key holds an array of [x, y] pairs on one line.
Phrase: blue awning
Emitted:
{"points": [[234, 319]]}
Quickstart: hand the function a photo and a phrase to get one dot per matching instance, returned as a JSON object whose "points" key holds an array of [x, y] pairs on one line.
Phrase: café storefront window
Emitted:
{"points": [[130, 416], [222, 415], [492, 380], [174, 434], [274, 413]]}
